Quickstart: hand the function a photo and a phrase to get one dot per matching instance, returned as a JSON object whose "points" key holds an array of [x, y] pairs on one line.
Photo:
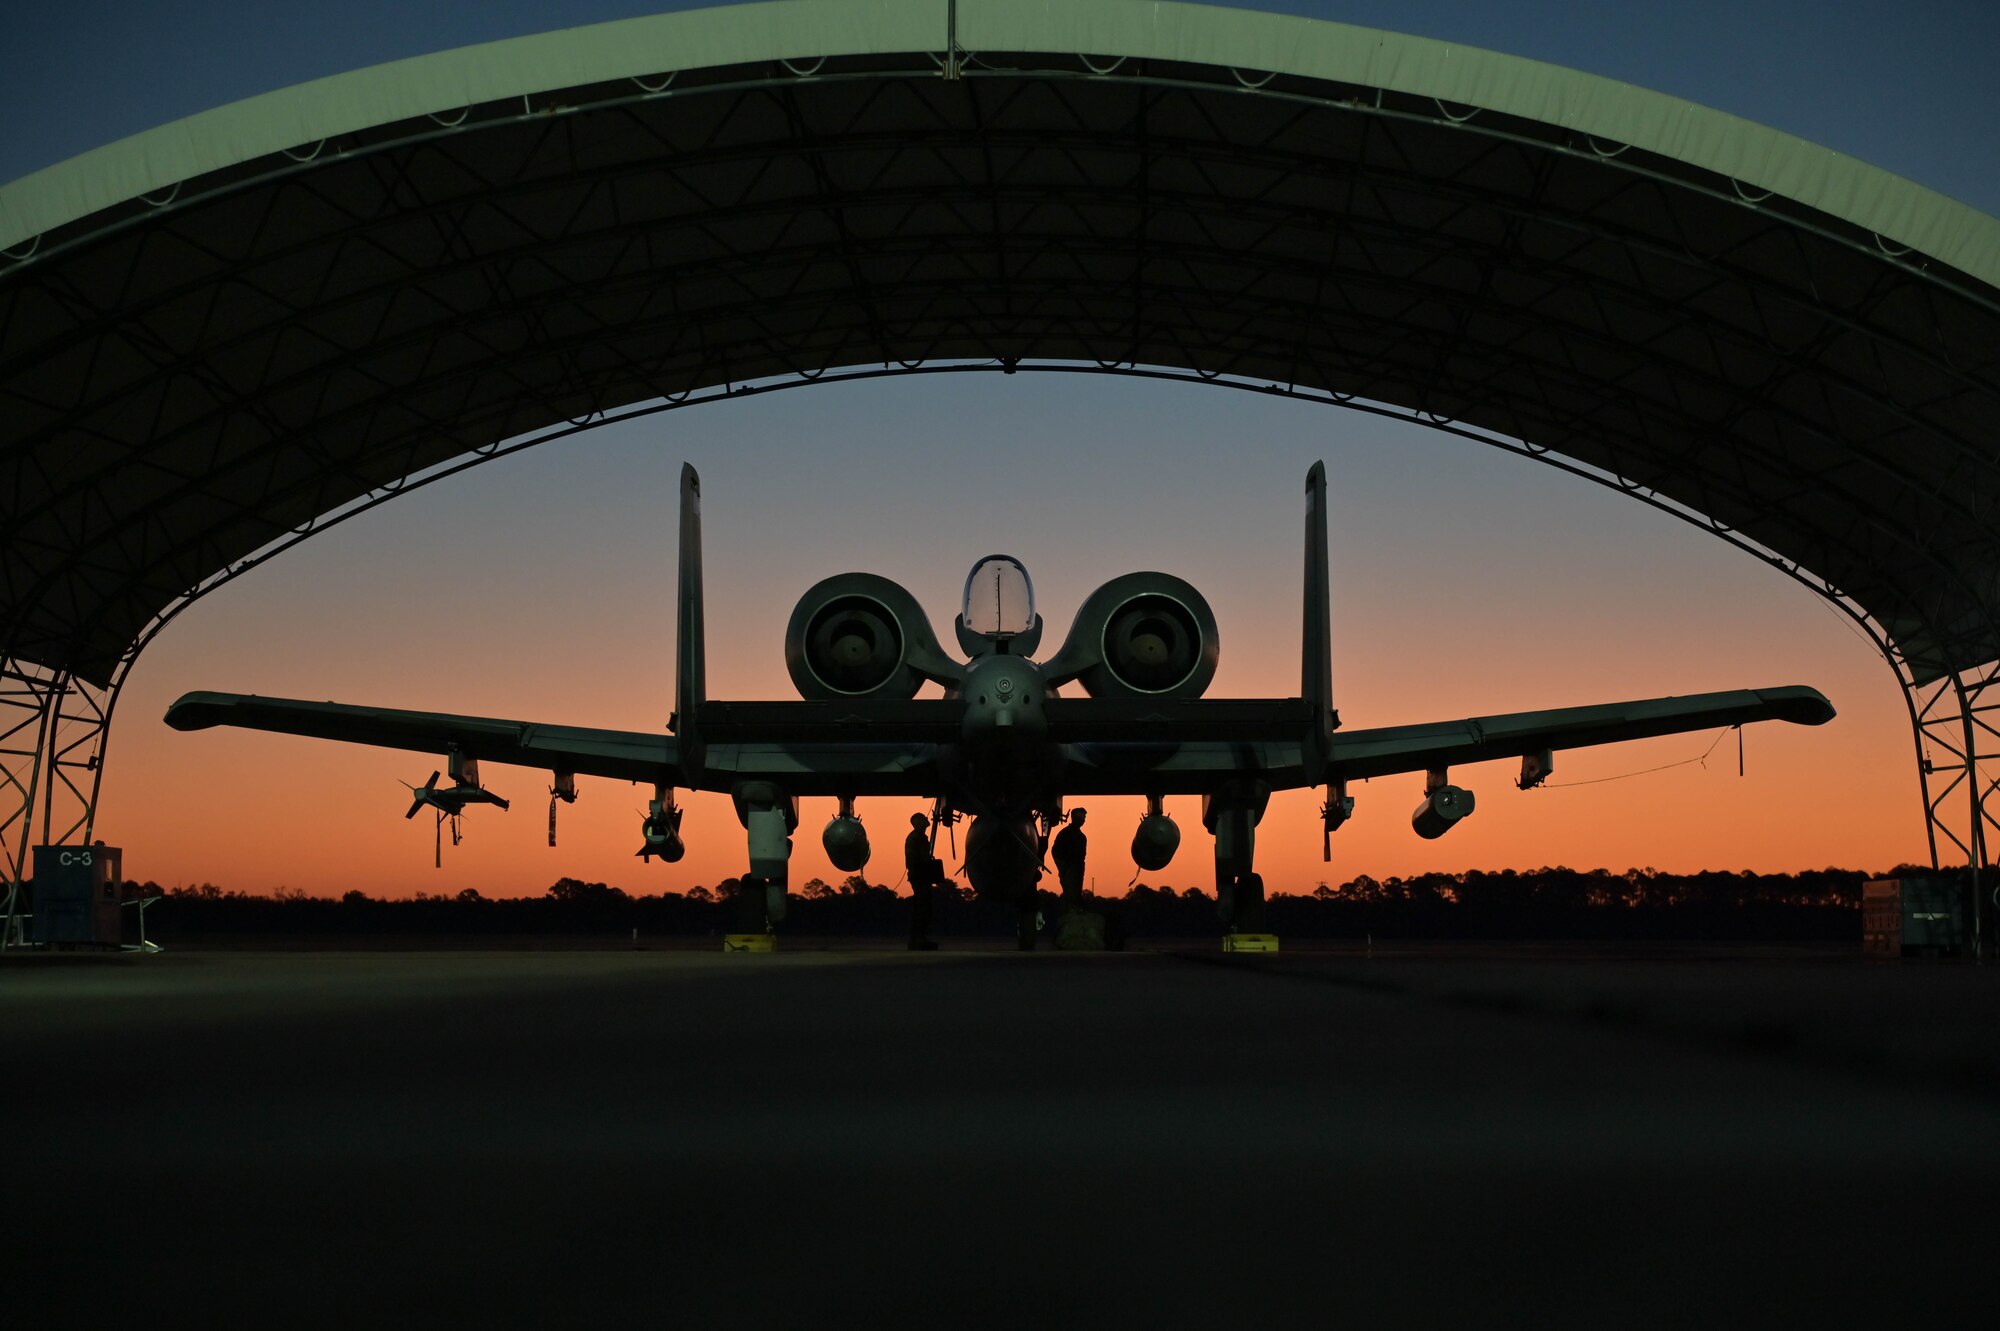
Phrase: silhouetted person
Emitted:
{"points": [[921, 868], [1068, 851]]}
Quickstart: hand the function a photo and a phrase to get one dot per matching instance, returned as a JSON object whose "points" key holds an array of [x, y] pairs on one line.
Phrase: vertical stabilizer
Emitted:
{"points": [[690, 680], [1316, 649]]}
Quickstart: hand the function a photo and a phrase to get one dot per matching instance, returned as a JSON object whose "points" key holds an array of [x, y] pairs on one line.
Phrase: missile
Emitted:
{"points": [[662, 831]]}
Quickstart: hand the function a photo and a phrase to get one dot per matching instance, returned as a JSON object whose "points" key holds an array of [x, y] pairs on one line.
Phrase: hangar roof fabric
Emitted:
{"points": [[215, 331]]}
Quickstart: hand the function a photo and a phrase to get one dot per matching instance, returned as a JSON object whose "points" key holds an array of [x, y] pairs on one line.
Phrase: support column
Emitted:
{"points": [[52, 733], [1960, 747]]}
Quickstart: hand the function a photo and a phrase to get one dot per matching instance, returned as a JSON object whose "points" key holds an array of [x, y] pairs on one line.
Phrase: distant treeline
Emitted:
{"points": [[1540, 903]]}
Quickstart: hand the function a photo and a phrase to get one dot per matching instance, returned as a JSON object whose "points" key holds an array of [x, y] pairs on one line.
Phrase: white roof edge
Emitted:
{"points": [[1900, 211], [446, 81]]}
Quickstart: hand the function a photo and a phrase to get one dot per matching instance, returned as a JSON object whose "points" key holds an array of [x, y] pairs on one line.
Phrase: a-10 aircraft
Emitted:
{"points": [[1002, 744]]}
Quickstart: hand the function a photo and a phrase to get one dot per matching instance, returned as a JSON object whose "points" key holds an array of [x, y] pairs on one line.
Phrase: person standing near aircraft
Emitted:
{"points": [[1070, 848], [921, 867]]}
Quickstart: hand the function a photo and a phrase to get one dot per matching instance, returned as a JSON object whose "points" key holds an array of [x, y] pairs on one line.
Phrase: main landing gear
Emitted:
{"points": [[1231, 814], [769, 816]]}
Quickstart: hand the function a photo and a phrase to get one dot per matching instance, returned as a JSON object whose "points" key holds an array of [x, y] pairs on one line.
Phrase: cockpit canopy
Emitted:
{"points": [[999, 598]]}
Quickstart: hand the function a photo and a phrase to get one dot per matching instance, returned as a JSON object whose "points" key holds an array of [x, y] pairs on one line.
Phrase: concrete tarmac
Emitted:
{"points": [[1485, 1136]]}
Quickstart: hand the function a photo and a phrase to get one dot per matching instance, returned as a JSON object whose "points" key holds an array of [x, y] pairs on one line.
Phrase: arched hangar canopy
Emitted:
{"points": [[215, 332]]}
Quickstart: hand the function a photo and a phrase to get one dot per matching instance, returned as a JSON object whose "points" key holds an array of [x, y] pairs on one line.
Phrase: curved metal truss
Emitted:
{"points": [[194, 380], [54, 728]]}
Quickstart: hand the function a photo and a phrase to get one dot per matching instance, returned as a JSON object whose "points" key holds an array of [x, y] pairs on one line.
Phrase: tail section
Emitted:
{"points": [[1316, 681], [690, 676]]}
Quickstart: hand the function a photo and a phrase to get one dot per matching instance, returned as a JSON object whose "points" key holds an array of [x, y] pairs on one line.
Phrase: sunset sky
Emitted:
{"points": [[1465, 581]]}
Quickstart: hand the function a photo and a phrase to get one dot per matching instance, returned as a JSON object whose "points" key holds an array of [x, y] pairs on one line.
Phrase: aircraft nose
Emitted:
{"points": [[1001, 706]]}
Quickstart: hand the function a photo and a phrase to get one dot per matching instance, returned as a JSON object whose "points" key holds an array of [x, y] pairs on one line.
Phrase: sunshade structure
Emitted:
{"points": [[223, 334]]}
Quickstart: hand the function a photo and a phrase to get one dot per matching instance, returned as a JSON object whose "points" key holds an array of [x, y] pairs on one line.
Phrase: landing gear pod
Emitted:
{"points": [[1443, 806]]}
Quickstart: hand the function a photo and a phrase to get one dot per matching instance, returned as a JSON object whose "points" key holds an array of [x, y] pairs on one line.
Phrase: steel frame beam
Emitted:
{"points": [[1953, 716], [53, 730], [1941, 495]]}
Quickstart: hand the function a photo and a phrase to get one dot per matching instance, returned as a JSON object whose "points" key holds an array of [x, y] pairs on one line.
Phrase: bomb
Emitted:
{"points": [[846, 843], [1154, 844]]}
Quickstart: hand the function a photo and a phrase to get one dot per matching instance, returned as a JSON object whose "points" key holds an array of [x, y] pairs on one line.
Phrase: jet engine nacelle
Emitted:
{"points": [[1143, 635], [1154, 844], [1440, 811], [859, 635], [845, 841]]}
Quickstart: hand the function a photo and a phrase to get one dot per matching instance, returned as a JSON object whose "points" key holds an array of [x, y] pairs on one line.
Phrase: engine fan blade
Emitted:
{"points": [[1151, 646], [854, 648]]}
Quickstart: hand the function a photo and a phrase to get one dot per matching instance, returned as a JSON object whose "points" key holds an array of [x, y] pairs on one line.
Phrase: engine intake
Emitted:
{"points": [[859, 635], [1143, 635]]}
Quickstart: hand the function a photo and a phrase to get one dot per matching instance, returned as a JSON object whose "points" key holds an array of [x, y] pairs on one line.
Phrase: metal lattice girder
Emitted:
{"points": [[192, 374], [1955, 723], [27, 696], [52, 734]]}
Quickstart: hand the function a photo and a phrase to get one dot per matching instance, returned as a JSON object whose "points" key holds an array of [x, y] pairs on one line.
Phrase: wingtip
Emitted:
{"points": [[195, 711], [1316, 475], [690, 478], [1800, 704]]}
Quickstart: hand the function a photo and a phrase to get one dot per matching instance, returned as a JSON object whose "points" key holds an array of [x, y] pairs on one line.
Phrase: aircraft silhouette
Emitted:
{"points": [[1003, 744]]}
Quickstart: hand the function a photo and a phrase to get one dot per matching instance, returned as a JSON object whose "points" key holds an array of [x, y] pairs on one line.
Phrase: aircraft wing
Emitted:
{"points": [[810, 748], [631, 755], [1165, 753], [1420, 748]]}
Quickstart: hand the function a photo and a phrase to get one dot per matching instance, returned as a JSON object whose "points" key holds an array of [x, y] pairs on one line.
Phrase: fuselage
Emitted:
{"points": [[1003, 770]]}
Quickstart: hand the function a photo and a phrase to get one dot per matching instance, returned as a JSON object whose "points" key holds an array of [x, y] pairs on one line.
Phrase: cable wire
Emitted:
{"points": [[1646, 771]]}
